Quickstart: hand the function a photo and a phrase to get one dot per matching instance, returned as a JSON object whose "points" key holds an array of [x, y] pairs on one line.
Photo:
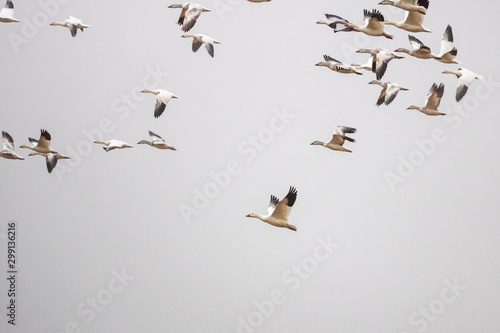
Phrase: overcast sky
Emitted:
{"points": [[399, 236]]}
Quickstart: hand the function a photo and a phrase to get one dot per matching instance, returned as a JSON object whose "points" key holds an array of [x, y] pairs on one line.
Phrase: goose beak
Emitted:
{"points": [[248, 215]]}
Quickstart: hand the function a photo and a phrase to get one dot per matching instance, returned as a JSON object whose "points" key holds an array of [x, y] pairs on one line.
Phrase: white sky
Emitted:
{"points": [[397, 248]]}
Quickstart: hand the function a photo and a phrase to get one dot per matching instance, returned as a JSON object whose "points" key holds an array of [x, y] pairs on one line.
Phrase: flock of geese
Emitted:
{"points": [[279, 210]]}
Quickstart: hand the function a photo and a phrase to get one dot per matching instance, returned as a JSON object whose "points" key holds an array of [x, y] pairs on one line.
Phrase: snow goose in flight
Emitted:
{"points": [[338, 139], [334, 22], [388, 93], [162, 99], [448, 51], [408, 5], [156, 142], [199, 40], [113, 144], [380, 59], [374, 24], [73, 24], [465, 79], [337, 66], [7, 13], [419, 50], [8, 148], [189, 14], [50, 159], [279, 211], [413, 20], [42, 145], [432, 101]]}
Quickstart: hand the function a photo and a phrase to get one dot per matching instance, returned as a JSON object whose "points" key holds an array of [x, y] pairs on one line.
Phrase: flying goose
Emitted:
{"points": [[413, 19], [73, 24], [448, 51], [465, 79], [189, 14], [156, 142], [408, 5], [338, 139], [41, 145], [337, 66], [7, 13], [419, 50], [334, 21], [380, 59], [50, 159], [113, 144], [432, 101], [374, 24], [199, 40], [388, 93], [279, 211], [162, 98], [8, 148]]}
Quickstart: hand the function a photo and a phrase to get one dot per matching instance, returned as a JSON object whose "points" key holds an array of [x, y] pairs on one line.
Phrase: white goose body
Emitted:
{"points": [[189, 14], [113, 144], [156, 142], [8, 148], [337, 66], [419, 50], [7, 13], [162, 98], [374, 24], [279, 211], [338, 139], [414, 19], [465, 79], [50, 159], [432, 101], [199, 40], [380, 59], [42, 145], [73, 24], [388, 93]]}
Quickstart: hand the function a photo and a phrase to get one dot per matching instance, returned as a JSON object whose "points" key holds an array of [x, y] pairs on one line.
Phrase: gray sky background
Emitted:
{"points": [[99, 212]]}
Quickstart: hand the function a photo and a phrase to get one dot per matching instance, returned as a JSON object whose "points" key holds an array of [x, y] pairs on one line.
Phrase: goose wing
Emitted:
{"points": [[464, 81], [191, 15], [392, 91], [51, 161], [433, 97], [336, 22], [272, 204], [155, 138], [337, 139], [283, 208], [196, 44], [381, 97], [380, 62], [44, 141], [210, 49], [330, 59], [8, 142], [417, 45], [374, 19], [447, 42]]}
